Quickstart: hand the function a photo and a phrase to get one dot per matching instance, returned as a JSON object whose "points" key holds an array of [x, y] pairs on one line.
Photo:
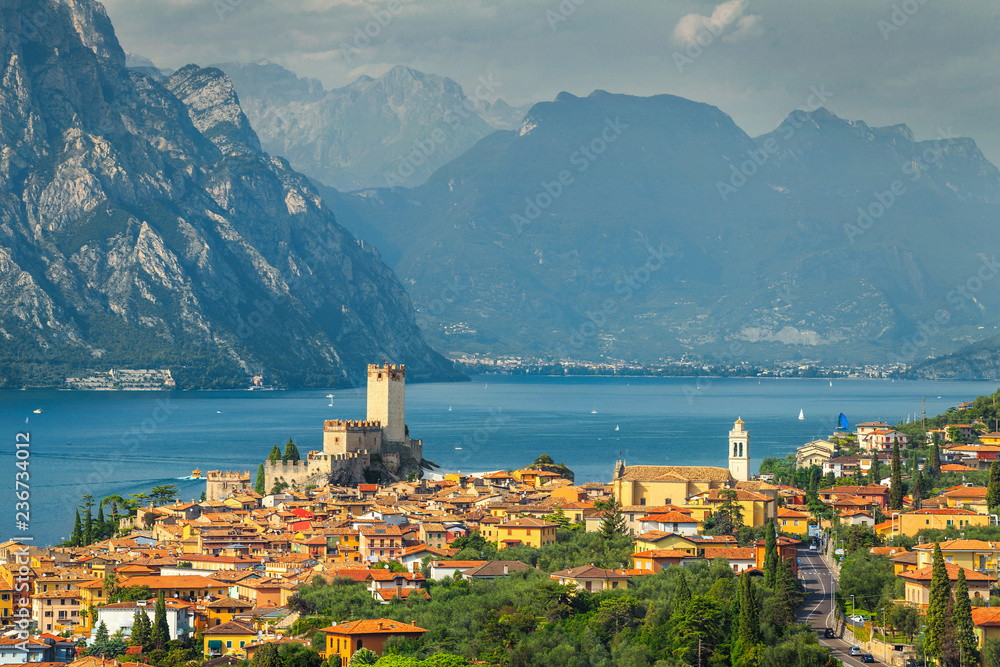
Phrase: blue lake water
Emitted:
{"points": [[126, 442]]}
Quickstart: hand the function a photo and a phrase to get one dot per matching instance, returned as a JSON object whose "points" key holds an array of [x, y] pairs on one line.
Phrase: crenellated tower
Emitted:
{"points": [[387, 399]]}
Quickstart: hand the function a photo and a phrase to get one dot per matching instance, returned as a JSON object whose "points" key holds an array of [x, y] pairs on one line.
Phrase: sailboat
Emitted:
{"points": [[330, 396], [594, 411], [802, 415], [449, 408], [831, 383], [616, 427]]}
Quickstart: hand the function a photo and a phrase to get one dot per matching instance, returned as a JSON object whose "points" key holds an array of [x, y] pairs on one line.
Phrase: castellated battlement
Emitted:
{"points": [[360, 425], [392, 371], [219, 484], [228, 476]]}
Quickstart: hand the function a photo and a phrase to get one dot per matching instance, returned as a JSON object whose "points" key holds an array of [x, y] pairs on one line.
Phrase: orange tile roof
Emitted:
{"points": [[372, 627], [924, 574], [662, 553], [960, 545], [670, 517], [731, 553], [986, 617]]}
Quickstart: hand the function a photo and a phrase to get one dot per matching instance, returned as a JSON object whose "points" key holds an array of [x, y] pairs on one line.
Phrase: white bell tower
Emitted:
{"points": [[739, 452]]}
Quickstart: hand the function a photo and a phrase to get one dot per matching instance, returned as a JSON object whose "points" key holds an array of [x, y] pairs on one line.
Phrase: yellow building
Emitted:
{"points": [[987, 624], [529, 532], [344, 639], [978, 555], [918, 584], [793, 522], [756, 507], [967, 497], [657, 540], [222, 610], [665, 485], [229, 638], [591, 579], [910, 523]]}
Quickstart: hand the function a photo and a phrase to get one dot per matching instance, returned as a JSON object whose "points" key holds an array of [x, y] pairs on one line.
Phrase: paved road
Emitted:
{"points": [[817, 610]]}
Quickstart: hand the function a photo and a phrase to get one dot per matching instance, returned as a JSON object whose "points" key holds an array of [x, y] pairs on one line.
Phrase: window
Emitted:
{"points": [[229, 644]]}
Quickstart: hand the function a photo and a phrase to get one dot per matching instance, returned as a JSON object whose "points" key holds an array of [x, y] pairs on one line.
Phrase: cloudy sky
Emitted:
{"points": [[927, 63]]}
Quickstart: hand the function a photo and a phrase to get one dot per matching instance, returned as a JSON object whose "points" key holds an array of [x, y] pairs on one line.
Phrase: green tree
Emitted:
{"points": [[363, 656], [814, 475], [787, 595], [259, 484], [141, 626], [918, 490], [682, 596], [993, 488], [266, 656], [937, 607], [163, 495], [896, 485], [729, 516], [961, 622], [159, 634], [695, 634], [275, 455], [991, 653], [76, 537], [613, 523], [770, 555], [746, 648], [544, 459], [291, 451], [935, 460]]}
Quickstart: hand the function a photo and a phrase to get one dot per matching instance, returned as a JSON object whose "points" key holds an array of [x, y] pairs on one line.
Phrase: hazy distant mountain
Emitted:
{"points": [[142, 226], [549, 239], [393, 130]]}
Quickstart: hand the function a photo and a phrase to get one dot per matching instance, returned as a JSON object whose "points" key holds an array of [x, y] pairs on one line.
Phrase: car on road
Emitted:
{"points": [[813, 547], [829, 633], [855, 650], [867, 657]]}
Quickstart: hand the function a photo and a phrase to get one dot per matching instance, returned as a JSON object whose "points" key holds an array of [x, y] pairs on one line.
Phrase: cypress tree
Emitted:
{"points": [[275, 455], [961, 622], [159, 634], [88, 528], [102, 525], [918, 490], [140, 628], [267, 656], [936, 460], [682, 597], [76, 538], [291, 451], [770, 555], [259, 484], [993, 488], [896, 485], [937, 607]]}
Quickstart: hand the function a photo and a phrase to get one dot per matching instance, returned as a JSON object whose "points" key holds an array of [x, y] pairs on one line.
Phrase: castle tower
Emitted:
{"points": [[739, 452], [386, 400]]}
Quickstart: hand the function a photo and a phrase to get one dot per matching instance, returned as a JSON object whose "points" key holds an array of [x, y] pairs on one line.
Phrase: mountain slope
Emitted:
{"points": [[143, 226], [547, 240], [396, 129]]}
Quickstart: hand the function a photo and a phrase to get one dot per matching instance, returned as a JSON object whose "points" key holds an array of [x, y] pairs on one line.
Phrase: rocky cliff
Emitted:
{"points": [[142, 225]]}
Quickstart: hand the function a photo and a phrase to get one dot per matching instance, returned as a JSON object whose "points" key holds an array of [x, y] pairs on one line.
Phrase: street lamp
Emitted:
{"points": [[854, 612], [885, 639]]}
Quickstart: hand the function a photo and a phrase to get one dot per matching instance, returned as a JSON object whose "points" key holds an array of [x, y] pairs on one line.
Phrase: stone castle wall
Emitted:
{"points": [[220, 485]]}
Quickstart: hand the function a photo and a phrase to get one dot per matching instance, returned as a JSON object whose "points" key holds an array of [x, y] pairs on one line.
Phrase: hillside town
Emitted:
{"points": [[263, 568]]}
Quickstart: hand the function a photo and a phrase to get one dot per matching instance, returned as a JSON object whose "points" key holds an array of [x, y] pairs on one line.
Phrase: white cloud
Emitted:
{"points": [[728, 21]]}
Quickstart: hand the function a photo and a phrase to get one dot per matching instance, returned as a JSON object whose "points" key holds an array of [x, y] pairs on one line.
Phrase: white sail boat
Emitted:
{"points": [[616, 427], [802, 415], [330, 396]]}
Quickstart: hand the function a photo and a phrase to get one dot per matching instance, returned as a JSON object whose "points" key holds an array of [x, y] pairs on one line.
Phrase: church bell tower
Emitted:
{"points": [[739, 452]]}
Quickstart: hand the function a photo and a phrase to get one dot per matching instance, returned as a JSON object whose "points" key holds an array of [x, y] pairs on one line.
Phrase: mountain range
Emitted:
{"points": [[614, 226], [392, 130], [144, 226]]}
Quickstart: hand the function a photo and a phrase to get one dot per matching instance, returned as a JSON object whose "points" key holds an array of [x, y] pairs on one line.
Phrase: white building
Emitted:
{"points": [[121, 616]]}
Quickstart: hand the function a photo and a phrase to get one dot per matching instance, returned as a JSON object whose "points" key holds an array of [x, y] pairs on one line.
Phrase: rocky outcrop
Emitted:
{"points": [[141, 224]]}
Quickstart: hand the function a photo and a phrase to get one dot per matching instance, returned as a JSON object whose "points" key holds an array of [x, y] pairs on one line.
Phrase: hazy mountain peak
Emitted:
{"points": [[91, 23]]}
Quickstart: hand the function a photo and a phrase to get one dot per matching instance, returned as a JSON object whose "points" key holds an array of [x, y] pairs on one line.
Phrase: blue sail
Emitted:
{"points": [[842, 421]]}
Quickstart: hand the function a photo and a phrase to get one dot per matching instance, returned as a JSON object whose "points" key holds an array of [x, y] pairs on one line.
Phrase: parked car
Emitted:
{"points": [[829, 633], [813, 547], [855, 650], [867, 657], [858, 618]]}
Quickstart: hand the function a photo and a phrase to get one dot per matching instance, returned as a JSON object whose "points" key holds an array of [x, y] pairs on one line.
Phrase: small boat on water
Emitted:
{"points": [[457, 448], [196, 474], [330, 396], [616, 427], [449, 408], [38, 411], [802, 415], [593, 412]]}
